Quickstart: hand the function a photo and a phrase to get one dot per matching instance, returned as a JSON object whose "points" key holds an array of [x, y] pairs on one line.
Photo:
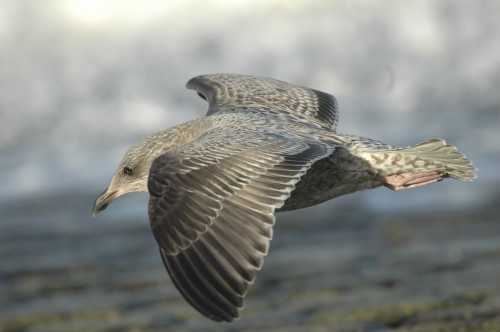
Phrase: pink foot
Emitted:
{"points": [[411, 180]]}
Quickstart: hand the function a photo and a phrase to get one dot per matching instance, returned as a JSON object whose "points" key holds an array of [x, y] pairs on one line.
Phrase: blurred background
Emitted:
{"points": [[80, 80]]}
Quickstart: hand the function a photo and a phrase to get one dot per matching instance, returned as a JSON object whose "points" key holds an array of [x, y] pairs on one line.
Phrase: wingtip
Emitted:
{"points": [[191, 82]]}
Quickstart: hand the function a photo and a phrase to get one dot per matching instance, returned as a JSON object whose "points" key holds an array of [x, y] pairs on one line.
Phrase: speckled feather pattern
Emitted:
{"points": [[245, 91]]}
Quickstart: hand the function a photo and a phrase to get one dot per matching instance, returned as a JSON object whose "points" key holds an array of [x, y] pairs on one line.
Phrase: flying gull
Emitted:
{"points": [[264, 146]]}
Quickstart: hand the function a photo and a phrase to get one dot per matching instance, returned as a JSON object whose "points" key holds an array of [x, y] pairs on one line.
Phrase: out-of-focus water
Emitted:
{"points": [[350, 269]]}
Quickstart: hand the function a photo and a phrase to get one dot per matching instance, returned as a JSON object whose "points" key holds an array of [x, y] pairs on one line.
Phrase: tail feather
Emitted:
{"points": [[439, 155]]}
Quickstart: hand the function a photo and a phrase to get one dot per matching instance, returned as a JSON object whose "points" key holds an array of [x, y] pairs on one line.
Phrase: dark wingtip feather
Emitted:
{"points": [[327, 107], [185, 285]]}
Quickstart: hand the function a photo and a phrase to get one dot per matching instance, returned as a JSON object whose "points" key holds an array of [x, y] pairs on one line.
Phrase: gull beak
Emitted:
{"points": [[103, 200]]}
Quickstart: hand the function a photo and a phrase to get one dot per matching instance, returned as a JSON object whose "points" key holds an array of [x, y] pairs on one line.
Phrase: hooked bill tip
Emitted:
{"points": [[102, 202], [98, 209]]}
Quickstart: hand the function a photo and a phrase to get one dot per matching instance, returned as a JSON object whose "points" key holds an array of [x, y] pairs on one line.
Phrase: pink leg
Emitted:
{"points": [[411, 180]]}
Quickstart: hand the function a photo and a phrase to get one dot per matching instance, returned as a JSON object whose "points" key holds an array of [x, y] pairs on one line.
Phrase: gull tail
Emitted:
{"points": [[437, 155]]}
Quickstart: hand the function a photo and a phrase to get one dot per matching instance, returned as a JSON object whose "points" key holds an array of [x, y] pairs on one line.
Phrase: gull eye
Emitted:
{"points": [[127, 170]]}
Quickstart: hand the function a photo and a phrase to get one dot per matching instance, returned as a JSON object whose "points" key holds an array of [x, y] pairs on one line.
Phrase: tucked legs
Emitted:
{"points": [[411, 180]]}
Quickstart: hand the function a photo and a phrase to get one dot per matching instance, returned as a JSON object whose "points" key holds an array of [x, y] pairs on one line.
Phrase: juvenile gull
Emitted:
{"points": [[215, 182]]}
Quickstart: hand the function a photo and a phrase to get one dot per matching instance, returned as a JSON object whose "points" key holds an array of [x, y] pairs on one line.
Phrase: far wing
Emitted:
{"points": [[225, 91]]}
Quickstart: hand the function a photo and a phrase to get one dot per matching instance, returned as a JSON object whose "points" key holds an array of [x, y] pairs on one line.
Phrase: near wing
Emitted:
{"points": [[223, 91], [212, 207]]}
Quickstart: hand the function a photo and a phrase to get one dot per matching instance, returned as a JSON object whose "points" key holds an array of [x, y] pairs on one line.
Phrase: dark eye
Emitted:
{"points": [[127, 170]]}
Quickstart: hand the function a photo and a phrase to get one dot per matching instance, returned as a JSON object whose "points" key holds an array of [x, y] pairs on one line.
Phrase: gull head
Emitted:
{"points": [[131, 176]]}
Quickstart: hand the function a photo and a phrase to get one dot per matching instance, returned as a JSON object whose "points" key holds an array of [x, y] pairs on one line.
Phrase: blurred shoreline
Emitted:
{"points": [[347, 269]]}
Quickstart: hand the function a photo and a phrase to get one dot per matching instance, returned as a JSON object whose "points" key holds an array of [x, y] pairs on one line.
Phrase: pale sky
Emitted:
{"points": [[82, 79]]}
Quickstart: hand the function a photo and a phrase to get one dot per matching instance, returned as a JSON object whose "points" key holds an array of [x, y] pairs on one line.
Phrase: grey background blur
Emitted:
{"points": [[82, 80]]}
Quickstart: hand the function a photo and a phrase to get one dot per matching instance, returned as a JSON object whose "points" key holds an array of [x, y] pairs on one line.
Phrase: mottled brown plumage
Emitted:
{"points": [[216, 182], [224, 91]]}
